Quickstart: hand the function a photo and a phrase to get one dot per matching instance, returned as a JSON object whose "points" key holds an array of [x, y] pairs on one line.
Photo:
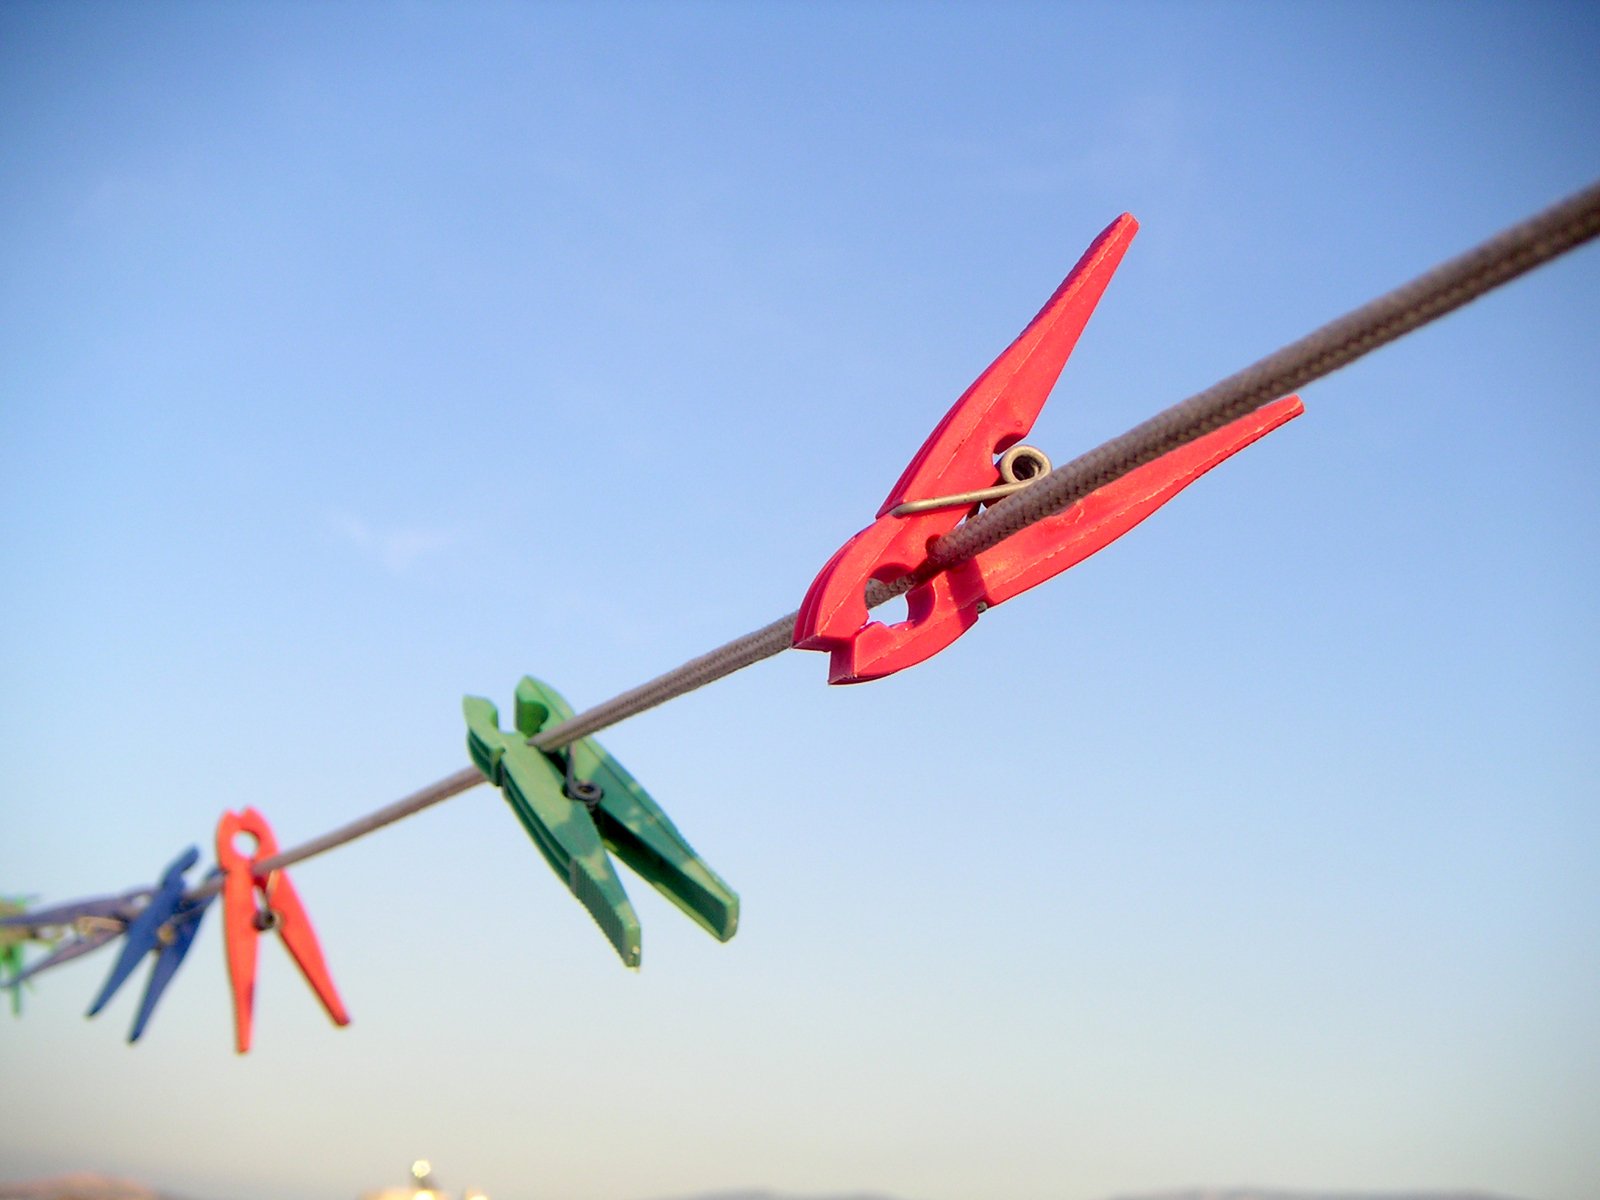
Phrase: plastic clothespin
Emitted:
{"points": [[253, 900], [123, 907], [956, 470], [166, 927], [92, 924], [578, 803], [103, 931]]}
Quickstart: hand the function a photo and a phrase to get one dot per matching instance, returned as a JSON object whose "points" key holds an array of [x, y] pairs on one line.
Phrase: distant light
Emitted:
{"points": [[422, 1168], [423, 1194]]}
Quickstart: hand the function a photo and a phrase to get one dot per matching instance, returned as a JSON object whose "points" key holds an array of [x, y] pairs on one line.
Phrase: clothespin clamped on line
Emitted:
{"points": [[166, 927], [92, 924], [578, 803], [253, 901], [955, 471]]}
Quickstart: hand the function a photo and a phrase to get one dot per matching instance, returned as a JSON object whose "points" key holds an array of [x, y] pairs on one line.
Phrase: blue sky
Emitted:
{"points": [[353, 358]]}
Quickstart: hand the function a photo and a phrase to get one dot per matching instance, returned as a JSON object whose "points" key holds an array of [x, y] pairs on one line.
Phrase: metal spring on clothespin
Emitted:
{"points": [[1020, 467]]}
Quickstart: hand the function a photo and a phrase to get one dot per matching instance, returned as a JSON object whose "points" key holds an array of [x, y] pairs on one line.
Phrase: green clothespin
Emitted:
{"points": [[578, 803], [12, 939]]}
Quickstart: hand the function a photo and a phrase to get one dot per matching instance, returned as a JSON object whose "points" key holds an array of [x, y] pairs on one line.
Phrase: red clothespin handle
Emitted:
{"points": [[991, 416], [253, 900]]}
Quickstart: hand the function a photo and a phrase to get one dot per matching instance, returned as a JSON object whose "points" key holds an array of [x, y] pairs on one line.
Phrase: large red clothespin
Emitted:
{"points": [[252, 901], [956, 470]]}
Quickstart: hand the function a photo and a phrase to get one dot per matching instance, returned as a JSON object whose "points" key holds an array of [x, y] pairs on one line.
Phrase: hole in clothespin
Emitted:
{"points": [[246, 851], [266, 919], [894, 611]]}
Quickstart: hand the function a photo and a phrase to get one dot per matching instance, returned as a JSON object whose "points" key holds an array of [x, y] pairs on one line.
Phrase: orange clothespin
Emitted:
{"points": [[253, 901], [956, 471]]}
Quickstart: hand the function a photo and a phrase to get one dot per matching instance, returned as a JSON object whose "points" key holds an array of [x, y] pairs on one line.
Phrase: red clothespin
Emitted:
{"points": [[956, 470], [278, 908]]}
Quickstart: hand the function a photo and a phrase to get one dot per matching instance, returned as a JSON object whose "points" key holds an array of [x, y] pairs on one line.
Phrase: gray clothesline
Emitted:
{"points": [[1509, 254]]}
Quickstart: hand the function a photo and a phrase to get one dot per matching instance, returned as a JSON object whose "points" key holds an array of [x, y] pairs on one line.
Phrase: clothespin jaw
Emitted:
{"points": [[955, 470], [166, 928], [580, 803], [254, 900], [11, 975]]}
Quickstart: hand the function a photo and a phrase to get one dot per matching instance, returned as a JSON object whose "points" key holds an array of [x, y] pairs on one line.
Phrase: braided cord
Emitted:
{"points": [[1502, 258]]}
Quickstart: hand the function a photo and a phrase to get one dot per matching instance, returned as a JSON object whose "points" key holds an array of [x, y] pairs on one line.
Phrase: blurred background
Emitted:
{"points": [[357, 357]]}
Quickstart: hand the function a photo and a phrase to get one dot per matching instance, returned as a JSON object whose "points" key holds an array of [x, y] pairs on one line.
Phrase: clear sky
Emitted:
{"points": [[354, 358]]}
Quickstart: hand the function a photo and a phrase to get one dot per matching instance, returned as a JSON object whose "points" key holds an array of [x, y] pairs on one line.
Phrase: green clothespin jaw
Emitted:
{"points": [[553, 796], [12, 939]]}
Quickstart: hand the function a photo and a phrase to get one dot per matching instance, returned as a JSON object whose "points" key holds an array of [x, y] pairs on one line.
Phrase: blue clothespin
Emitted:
{"points": [[167, 927]]}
